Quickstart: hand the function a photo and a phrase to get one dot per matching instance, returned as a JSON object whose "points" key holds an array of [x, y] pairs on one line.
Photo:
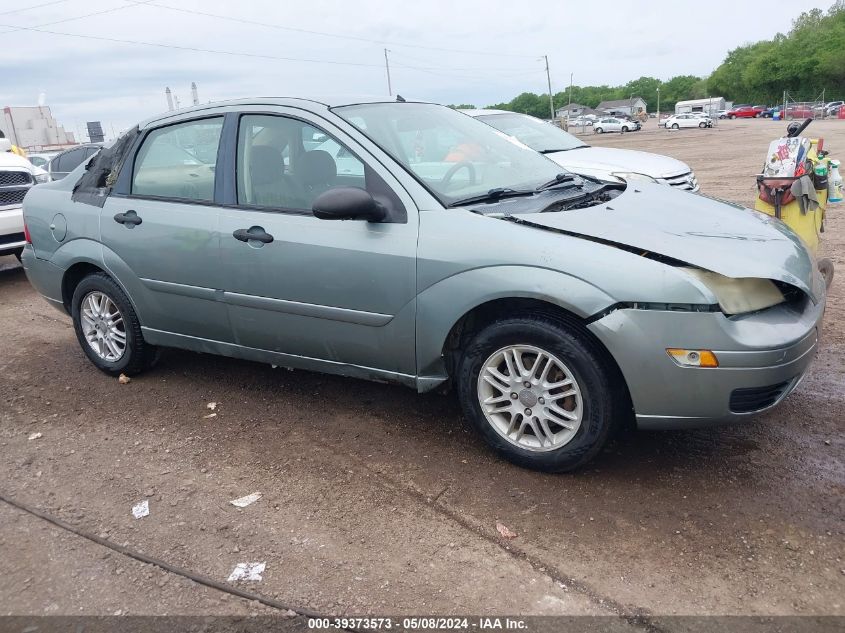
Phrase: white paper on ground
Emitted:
{"points": [[245, 501], [247, 571], [141, 510]]}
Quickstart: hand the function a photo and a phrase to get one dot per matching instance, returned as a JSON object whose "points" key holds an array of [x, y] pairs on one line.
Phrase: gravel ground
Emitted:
{"points": [[379, 500]]}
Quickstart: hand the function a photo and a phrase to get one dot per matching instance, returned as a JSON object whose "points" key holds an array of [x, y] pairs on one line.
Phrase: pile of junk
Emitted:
{"points": [[798, 183]]}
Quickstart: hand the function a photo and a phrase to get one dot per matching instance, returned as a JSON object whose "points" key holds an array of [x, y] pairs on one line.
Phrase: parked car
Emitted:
{"points": [[614, 124], [558, 307], [65, 162], [722, 114], [580, 121], [40, 159], [831, 108], [799, 112], [745, 112], [17, 177], [608, 164], [687, 120]]}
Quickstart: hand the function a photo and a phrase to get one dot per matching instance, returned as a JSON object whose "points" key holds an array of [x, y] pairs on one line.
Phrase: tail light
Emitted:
{"points": [[26, 234]]}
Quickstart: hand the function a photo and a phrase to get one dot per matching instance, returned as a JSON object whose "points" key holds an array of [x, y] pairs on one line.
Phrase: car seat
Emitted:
{"points": [[270, 185]]}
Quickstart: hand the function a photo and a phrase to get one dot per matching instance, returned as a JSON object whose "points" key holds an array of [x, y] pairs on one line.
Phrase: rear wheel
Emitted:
{"points": [[539, 392], [108, 329]]}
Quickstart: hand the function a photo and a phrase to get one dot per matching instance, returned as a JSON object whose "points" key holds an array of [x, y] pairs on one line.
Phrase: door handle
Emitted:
{"points": [[129, 219], [253, 233]]}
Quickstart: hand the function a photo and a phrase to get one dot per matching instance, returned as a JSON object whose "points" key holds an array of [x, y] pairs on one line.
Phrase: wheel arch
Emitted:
{"points": [[455, 307]]}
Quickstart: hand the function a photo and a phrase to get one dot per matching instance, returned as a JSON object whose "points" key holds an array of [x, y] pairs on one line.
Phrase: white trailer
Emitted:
{"points": [[710, 105]]}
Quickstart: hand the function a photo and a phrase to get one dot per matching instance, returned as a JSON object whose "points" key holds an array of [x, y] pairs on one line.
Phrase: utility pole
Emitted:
{"points": [[658, 107], [387, 68], [570, 93], [549, 79]]}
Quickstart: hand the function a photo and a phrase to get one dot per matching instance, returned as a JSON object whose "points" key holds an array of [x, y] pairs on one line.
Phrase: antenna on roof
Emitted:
{"points": [[400, 98]]}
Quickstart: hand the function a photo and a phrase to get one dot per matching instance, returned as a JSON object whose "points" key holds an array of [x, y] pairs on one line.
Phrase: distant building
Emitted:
{"points": [[710, 105], [573, 110], [623, 106], [34, 128]]}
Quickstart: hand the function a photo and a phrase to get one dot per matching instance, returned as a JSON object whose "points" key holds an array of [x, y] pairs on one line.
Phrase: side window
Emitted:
{"points": [[178, 161], [67, 161], [285, 163]]}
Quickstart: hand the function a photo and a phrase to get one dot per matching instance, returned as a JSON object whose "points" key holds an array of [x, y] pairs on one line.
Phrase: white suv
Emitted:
{"points": [[17, 176]]}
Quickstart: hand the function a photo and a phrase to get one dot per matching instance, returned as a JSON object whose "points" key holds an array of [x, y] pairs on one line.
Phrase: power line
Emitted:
{"points": [[35, 6], [336, 35], [193, 49], [78, 17]]}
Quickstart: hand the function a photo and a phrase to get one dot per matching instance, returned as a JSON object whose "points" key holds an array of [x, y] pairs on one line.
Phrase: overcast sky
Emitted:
{"points": [[449, 51]]}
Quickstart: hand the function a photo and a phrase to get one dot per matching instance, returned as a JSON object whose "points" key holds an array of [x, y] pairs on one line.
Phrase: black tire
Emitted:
{"points": [[675, 126], [732, 117], [702, 125], [624, 129], [138, 355], [598, 130], [588, 363]]}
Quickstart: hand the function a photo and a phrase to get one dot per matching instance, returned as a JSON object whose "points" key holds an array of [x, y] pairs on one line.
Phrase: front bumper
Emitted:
{"points": [[762, 358]]}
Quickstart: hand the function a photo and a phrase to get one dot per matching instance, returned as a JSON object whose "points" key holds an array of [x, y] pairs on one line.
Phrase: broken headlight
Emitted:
{"points": [[628, 176], [739, 295]]}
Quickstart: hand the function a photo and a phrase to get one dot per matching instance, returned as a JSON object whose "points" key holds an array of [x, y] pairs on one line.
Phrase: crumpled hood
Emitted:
{"points": [[713, 235], [610, 159]]}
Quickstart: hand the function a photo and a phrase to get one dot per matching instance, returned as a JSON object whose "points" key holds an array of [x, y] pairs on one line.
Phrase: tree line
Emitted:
{"points": [[805, 61]]}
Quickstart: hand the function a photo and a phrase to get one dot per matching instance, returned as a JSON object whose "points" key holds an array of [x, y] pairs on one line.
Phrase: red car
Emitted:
{"points": [[746, 112], [799, 112]]}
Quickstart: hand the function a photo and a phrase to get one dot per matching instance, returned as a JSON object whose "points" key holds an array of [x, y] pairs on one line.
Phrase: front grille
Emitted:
{"points": [[15, 196], [12, 238], [756, 398], [685, 181], [11, 178]]}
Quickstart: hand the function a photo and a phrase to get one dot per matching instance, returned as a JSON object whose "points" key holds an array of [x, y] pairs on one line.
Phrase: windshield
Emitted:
{"points": [[452, 154], [536, 134]]}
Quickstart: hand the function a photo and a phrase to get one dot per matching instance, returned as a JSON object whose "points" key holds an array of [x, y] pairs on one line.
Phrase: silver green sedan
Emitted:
{"points": [[407, 242]]}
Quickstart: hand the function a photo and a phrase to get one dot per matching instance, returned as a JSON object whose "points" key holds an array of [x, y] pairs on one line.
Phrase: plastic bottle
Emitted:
{"points": [[834, 183]]}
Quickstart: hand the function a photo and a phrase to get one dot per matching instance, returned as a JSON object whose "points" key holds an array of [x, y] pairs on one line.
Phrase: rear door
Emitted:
{"points": [[323, 292], [160, 231]]}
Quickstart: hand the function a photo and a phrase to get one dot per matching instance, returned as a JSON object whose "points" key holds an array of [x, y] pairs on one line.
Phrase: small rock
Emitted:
{"points": [[123, 379]]}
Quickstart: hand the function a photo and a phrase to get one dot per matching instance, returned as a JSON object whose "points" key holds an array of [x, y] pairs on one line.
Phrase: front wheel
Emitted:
{"points": [[598, 130], [732, 117], [675, 126], [702, 125], [108, 329], [624, 128], [538, 391]]}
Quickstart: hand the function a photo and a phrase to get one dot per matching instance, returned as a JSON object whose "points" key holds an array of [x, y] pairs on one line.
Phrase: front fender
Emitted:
{"points": [[441, 306]]}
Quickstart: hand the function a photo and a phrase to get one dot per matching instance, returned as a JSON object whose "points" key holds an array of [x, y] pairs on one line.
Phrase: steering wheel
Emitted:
{"points": [[454, 169]]}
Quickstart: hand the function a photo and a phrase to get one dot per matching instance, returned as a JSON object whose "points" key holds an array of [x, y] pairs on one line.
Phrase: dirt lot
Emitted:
{"points": [[379, 500]]}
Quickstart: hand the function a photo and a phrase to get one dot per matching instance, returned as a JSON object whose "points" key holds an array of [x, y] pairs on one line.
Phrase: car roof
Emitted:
{"points": [[479, 112], [325, 102]]}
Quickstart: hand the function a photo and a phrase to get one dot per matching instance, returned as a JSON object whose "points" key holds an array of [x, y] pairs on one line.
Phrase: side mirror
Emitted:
{"points": [[348, 203]]}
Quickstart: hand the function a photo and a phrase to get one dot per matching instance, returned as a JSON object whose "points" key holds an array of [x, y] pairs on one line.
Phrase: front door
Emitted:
{"points": [[330, 292], [161, 238]]}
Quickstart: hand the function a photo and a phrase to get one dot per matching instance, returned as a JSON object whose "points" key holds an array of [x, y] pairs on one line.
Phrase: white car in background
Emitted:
{"points": [[608, 164], [687, 120], [41, 159], [17, 177], [612, 124]]}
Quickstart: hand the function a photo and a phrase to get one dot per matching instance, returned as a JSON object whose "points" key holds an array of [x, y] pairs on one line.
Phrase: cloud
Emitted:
{"points": [[502, 41]]}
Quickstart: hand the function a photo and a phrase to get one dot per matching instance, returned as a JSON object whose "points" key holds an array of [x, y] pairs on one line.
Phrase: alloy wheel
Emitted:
{"points": [[102, 326], [530, 398]]}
